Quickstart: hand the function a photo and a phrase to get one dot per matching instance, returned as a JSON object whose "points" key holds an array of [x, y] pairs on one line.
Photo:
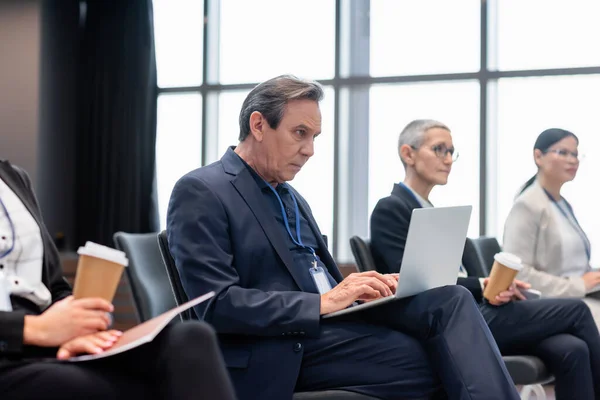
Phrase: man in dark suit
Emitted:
{"points": [[236, 227], [561, 332]]}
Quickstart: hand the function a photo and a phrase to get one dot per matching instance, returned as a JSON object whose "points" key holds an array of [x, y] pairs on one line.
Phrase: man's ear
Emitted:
{"points": [[257, 125], [407, 154]]}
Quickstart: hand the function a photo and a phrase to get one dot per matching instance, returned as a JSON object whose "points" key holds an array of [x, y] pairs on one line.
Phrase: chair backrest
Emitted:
{"points": [[472, 260], [177, 290], [146, 274], [361, 249], [487, 247]]}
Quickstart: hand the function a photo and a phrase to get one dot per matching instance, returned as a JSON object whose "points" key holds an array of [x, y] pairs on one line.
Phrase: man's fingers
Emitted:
{"points": [[379, 285], [368, 293], [393, 285], [390, 281]]}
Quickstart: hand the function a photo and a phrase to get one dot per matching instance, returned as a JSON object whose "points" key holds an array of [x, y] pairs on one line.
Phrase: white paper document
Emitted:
{"points": [[144, 332]]}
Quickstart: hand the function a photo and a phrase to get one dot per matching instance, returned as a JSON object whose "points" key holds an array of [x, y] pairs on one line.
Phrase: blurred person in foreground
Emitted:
{"points": [[42, 325]]}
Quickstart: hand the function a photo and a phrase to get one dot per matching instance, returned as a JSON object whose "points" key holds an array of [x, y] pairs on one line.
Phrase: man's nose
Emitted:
{"points": [[308, 148]]}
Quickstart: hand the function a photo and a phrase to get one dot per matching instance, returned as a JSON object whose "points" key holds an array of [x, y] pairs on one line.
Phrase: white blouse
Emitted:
{"points": [[22, 267]]}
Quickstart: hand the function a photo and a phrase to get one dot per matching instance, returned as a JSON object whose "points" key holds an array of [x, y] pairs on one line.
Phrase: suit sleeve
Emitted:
{"points": [[52, 273], [11, 332], [12, 323], [202, 244], [389, 228], [521, 232]]}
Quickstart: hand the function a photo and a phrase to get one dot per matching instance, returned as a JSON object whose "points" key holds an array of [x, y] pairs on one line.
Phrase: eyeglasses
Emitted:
{"points": [[442, 151], [564, 153]]}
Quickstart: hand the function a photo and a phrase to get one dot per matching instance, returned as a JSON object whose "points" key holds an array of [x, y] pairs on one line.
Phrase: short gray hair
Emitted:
{"points": [[413, 134], [270, 98]]}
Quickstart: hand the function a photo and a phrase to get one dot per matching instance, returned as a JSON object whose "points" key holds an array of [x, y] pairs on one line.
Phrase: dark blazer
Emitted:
{"points": [[11, 323], [224, 238], [389, 228]]}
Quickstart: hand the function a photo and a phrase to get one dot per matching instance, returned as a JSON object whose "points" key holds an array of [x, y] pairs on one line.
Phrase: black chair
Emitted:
{"points": [[177, 290], [180, 297], [361, 249], [472, 261], [528, 371], [486, 248], [146, 274]]}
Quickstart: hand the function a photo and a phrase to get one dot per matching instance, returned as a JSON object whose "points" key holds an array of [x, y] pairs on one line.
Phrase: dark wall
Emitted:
{"points": [[57, 127], [39, 42], [19, 83]]}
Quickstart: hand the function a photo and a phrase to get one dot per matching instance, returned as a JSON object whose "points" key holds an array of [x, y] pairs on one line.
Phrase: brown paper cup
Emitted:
{"points": [[99, 271], [505, 269]]}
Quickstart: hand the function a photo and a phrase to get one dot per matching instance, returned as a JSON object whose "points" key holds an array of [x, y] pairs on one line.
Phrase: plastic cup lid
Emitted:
{"points": [[509, 260], [107, 253]]}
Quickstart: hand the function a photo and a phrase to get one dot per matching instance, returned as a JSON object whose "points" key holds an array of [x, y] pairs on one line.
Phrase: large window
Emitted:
{"points": [[497, 72], [230, 104], [424, 37], [178, 143], [178, 35], [456, 105], [536, 34], [260, 39], [528, 106]]}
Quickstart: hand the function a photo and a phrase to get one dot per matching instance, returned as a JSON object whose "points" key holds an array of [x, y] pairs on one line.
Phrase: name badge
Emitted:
{"points": [[320, 279]]}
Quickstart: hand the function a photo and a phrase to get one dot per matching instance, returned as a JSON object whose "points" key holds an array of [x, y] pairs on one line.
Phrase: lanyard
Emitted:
{"points": [[12, 230], [580, 232], [287, 224]]}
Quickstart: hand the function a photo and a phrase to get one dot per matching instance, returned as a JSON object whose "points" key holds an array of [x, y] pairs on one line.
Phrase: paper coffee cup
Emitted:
{"points": [[99, 271], [505, 269]]}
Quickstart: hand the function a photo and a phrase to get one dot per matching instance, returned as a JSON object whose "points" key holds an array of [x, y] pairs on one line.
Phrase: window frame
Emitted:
{"points": [[351, 83]]}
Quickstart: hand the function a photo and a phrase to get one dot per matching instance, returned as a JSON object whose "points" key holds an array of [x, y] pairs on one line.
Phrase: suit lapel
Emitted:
{"points": [[246, 186], [408, 197], [12, 179]]}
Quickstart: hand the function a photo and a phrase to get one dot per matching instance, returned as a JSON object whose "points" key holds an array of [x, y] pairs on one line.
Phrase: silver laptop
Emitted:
{"points": [[432, 254]]}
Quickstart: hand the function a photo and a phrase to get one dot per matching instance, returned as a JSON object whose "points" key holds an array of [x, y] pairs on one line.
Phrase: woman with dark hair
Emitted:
{"points": [[41, 325], [542, 229]]}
